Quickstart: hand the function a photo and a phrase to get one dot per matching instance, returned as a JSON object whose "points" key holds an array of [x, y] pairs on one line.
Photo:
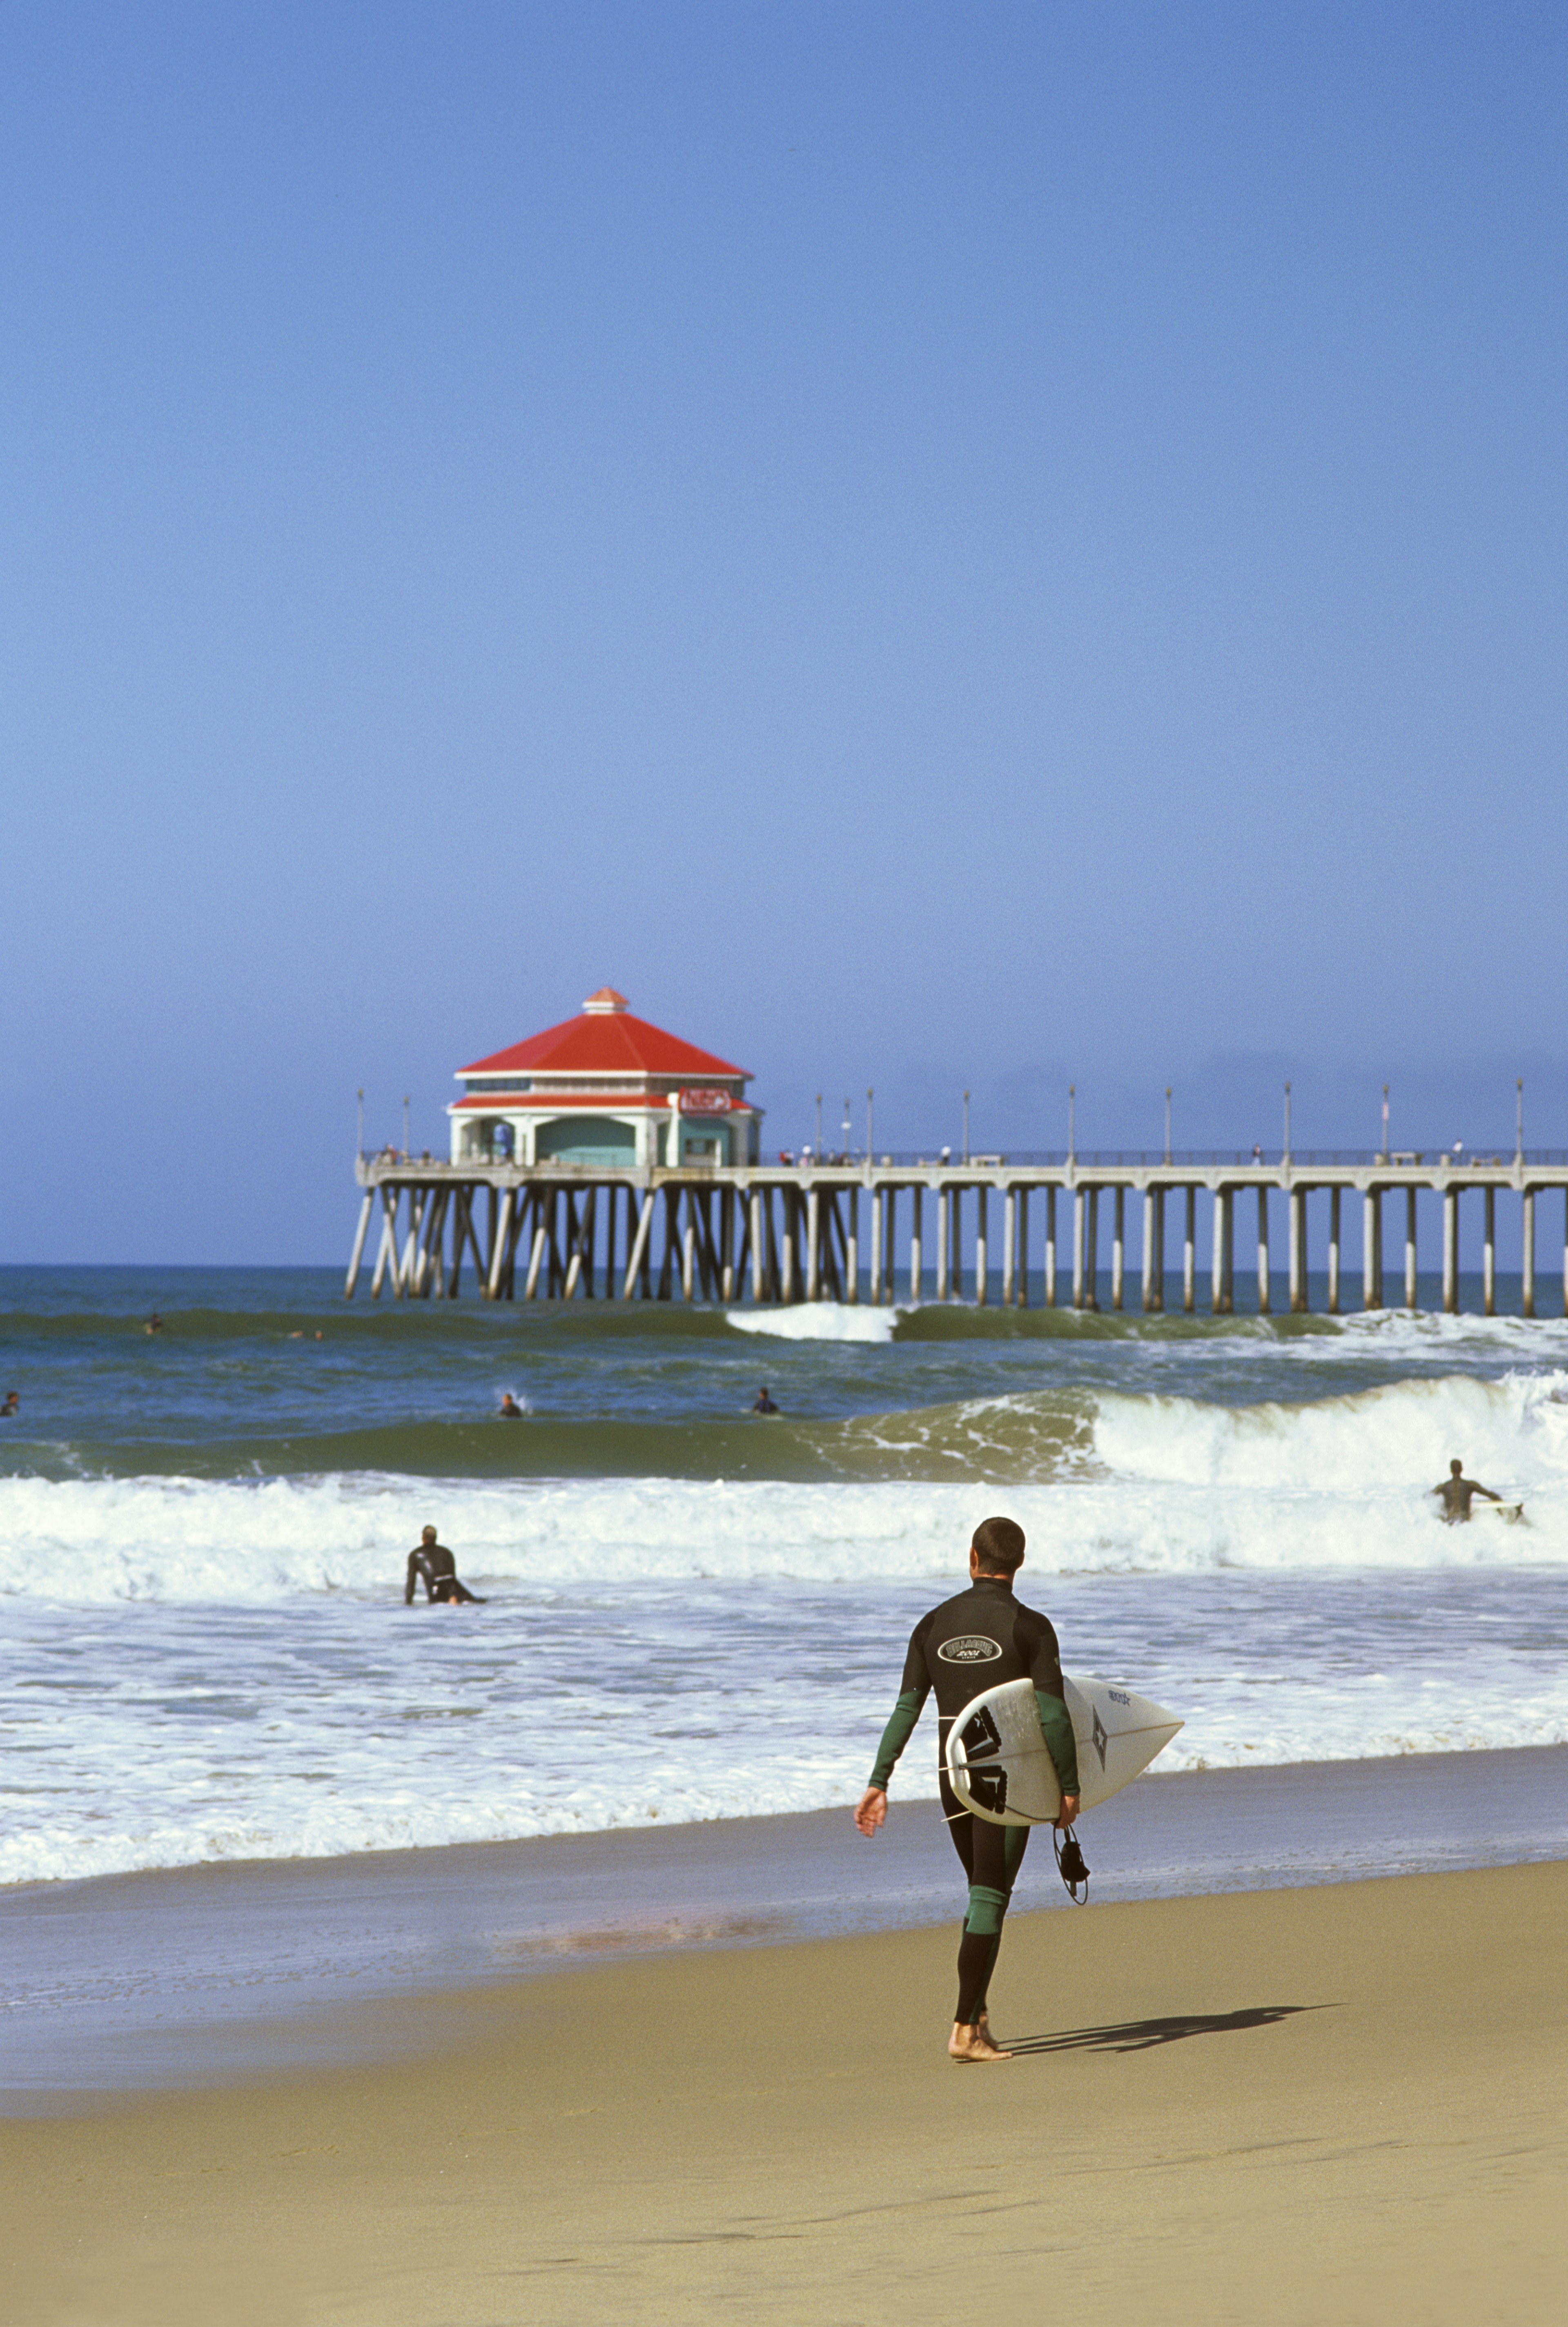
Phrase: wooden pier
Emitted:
{"points": [[825, 1230]]}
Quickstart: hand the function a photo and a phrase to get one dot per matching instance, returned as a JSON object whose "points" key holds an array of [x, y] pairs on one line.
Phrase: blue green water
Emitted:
{"points": [[203, 1529]]}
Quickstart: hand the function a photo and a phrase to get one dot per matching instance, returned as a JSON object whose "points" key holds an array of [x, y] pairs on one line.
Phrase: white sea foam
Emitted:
{"points": [[200, 1670], [1512, 1433], [1167, 1484], [1393, 1334], [151, 1736], [817, 1321]]}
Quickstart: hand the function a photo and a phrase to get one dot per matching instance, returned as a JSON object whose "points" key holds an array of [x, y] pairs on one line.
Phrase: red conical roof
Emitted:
{"points": [[606, 1039]]}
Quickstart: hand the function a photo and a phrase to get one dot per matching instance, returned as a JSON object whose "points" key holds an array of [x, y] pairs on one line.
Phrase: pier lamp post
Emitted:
{"points": [[360, 1122], [1385, 1123], [846, 1131], [1519, 1119], [405, 1126], [1287, 1146], [1071, 1107], [966, 1127], [869, 1097], [1167, 1123], [819, 1127]]}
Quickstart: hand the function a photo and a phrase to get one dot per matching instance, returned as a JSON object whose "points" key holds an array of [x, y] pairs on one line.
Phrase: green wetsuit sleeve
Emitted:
{"points": [[896, 1736], [1057, 1723]]}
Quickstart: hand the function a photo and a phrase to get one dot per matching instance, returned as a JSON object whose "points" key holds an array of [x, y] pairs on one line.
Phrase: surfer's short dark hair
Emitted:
{"points": [[998, 1546]]}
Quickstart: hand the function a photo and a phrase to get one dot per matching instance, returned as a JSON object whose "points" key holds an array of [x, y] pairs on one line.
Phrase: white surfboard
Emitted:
{"points": [[1000, 1767]]}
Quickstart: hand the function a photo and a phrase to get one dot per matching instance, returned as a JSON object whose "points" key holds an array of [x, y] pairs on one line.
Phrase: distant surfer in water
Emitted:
{"points": [[155, 1323], [432, 1563], [980, 1638], [510, 1409], [1458, 1493], [12, 1403], [764, 1403]]}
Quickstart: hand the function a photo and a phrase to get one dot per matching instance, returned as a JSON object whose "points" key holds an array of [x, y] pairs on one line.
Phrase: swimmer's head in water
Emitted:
{"points": [[429, 1534]]}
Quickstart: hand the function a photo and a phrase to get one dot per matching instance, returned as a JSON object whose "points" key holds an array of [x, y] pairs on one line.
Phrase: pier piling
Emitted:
{"points": [[1371, 1258], [1334, 1194], [1527, 1268], [1296, 1220]]}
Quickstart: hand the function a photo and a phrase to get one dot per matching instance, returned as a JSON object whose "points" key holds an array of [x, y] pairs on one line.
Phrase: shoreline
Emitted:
{"points": [[187, 1975], [1345, 2101]]}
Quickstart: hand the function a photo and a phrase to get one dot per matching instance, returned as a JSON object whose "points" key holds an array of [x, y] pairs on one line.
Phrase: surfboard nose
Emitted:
{"points": [[1117, 1734]]}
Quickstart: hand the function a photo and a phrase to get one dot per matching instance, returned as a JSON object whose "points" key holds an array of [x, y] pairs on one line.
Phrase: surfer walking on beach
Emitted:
{"points": [[1458, 1493], [980, 1637], [432, 1563]]}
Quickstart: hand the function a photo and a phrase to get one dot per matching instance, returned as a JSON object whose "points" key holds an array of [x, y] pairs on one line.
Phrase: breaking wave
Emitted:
{"points": [[1102, 1481]]}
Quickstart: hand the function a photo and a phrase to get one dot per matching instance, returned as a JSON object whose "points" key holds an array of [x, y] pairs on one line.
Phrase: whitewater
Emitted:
{"points": [[692, 1614]]}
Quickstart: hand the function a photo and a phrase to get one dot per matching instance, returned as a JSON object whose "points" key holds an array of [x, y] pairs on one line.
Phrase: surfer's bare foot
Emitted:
{"points": [[973, 2044]]}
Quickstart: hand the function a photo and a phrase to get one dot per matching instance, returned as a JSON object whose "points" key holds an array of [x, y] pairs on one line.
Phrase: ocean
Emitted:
{"points": [[693, 1614]]}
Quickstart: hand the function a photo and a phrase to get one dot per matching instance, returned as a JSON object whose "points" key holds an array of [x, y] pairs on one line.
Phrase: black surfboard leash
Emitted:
{"points": [[1069, 1864]]}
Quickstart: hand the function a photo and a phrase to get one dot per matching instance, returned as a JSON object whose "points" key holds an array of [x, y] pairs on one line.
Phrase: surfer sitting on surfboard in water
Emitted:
{"points": [[432, 1564], [1458, 1493], [971, 1643]]}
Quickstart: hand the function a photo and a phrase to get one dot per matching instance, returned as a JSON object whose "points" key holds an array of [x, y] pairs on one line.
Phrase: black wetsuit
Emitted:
{"points": [[433, 1564], [971, 1643]]}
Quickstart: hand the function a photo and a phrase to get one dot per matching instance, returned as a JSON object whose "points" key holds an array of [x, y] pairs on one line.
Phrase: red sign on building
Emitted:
{"points": [[706, 1102]]}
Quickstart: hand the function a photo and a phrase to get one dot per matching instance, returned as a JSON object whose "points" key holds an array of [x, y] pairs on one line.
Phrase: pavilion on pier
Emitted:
{"points": [[605, 1088]]}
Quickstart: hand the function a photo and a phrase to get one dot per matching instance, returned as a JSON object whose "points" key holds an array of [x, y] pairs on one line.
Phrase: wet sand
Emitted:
{"points": [[201, 1973], [1343, 2103]]}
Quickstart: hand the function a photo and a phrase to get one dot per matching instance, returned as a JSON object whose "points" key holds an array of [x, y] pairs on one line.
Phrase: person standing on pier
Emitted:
{"points": [[983, 1629]]}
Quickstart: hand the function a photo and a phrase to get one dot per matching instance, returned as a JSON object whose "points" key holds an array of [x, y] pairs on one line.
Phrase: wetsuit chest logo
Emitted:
{"points": [[969, 1648]]}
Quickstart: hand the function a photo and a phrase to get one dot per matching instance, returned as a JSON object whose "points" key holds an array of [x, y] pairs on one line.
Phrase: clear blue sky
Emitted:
{"points": [[931, 546]]}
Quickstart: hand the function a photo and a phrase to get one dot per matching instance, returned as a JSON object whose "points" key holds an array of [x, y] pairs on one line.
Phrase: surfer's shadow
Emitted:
{"points": [[1145, 2035]]}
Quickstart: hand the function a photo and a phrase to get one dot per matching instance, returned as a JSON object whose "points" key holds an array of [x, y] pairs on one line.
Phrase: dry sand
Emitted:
{"points": [[1336, 2104]]}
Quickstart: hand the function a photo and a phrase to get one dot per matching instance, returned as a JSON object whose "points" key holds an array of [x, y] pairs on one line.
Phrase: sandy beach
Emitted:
{"points": [[1349, 2102]]}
